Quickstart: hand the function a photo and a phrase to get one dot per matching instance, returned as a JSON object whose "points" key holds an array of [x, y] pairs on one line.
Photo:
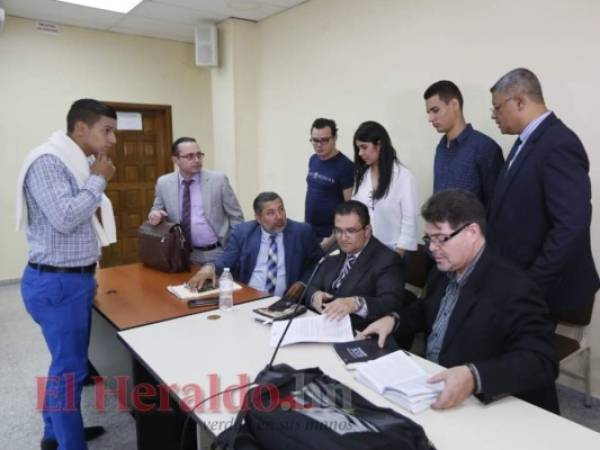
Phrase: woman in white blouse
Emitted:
{"points": [[387, 188]]}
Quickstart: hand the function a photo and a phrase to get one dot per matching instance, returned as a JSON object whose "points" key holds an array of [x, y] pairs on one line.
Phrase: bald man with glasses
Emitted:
{"points": [[201, 200], [483, 318]]}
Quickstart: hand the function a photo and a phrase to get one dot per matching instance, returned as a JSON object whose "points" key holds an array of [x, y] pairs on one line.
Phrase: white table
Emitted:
{"points": [[185, 351]]}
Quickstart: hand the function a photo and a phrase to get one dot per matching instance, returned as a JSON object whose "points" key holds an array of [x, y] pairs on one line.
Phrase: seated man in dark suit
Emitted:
{"points": [[271, 254], [483, 318], [365, 279]]}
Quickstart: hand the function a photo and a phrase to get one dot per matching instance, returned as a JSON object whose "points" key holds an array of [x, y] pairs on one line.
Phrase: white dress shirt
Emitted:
{"points": [[259, 276]]}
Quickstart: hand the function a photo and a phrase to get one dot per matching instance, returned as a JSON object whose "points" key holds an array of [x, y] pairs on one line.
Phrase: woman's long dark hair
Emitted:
{"points": [[374, 133]]}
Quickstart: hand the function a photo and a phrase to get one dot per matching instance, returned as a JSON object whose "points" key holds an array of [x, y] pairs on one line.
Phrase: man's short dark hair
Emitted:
{"points": [[88, 111], [263, 198], [457, 207], [446, 90], [322, 123], [356, 207], [181, 140]]}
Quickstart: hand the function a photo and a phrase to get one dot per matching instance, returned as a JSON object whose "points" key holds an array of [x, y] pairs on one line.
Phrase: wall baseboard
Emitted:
{"points": [[10, 281]]}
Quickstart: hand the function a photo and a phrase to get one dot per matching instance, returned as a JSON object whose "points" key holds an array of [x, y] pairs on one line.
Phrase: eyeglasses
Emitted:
{"points": [[317, 141], [192, 156], [496, 108], [349, 232], [441, 239]]}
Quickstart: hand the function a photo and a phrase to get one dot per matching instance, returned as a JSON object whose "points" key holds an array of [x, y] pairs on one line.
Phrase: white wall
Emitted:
{"points": [[41, 74], [234, 108], [354, 60]]}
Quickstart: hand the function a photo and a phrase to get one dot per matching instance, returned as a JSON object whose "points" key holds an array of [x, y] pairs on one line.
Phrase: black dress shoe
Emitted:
{"points": [[49, 444], [90, 434]]}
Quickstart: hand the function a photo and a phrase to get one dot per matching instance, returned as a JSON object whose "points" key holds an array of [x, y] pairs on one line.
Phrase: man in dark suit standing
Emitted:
{"points": [[365, 279], [483, 318], [271, 253], [541, 212]]}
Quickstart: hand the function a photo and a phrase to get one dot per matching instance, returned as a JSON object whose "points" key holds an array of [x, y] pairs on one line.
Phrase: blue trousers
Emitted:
{"points": [[61, 304]]}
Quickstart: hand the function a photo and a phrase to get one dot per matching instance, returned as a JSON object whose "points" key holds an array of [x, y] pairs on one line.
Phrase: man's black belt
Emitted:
{"points": [[45, 268], [208, 247]]}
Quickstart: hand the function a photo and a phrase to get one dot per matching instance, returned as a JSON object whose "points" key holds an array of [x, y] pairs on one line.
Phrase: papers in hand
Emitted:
{"points": [[183, 292], [312, 329], [400, 379]]}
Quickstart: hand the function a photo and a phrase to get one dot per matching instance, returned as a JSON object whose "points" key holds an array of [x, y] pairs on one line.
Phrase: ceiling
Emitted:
{"points": [[165, 19]]}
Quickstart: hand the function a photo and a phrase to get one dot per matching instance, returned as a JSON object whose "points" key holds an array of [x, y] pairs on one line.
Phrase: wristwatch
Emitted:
{"points": [[360, 302]]}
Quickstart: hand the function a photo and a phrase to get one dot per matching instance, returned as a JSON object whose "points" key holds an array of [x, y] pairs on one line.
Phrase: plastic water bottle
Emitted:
{"points": [[226, 291]]}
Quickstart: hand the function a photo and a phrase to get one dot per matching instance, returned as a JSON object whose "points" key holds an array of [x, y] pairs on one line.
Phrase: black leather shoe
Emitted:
{"points": [[90, 434], [49, 444]]}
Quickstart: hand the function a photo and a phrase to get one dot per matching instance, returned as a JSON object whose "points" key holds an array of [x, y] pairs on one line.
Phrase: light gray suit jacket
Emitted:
{"points": [[221, 207]]}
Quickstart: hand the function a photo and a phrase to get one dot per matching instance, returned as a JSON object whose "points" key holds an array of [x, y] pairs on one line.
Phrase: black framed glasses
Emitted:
{"points": [[441, 239], [192, 156], [317, 141]]}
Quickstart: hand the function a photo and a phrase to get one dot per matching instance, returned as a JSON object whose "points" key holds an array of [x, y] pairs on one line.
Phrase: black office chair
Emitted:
{"points": [[576, 322], [416, 269]]}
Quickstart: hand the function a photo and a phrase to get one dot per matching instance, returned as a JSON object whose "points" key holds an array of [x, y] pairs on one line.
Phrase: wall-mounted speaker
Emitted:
{"points": [[207, 52]]}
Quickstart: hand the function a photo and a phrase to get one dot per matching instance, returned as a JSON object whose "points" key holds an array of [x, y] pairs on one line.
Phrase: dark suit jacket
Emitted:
{"points": [[377, 275], [500, 324], [302, 251], [541, 214]]}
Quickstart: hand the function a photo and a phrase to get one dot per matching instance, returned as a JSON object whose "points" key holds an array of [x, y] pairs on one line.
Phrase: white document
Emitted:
{"points": [[400, 379], [312, 329], [129, 121], [183, 292]]}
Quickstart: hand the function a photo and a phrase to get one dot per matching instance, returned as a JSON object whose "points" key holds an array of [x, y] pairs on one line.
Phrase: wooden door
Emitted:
{"points": [[140, 157]]}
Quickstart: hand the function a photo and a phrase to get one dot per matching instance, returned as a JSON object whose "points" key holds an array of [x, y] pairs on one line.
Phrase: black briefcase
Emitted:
{"points": [[163, 247], [307, 410]]}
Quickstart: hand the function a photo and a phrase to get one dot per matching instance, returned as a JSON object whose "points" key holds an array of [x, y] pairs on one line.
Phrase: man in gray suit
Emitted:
{"points": [[201, 200]]}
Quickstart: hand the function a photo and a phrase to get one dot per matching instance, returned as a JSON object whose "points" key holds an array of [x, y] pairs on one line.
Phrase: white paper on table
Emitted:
{"points": [[399, 378], [398, 371], [312, 329], [183, 292]]}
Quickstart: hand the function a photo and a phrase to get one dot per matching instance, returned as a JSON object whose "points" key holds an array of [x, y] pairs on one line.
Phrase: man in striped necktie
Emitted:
{"points": [[365, 279], [271, 253]]}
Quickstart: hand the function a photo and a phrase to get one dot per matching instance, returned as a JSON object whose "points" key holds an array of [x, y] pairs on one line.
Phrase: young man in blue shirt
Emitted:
{"points": [[329, 180], [464, 158], [61, 192]]}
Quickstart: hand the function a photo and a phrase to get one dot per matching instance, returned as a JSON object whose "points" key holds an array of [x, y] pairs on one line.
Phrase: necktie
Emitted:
{"points": [[345, 270], [186, 213], [271, 265], [513, 153]]}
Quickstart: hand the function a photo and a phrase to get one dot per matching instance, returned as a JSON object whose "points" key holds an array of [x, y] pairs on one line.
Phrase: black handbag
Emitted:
{"points": [[306, 409], [163, 247]]}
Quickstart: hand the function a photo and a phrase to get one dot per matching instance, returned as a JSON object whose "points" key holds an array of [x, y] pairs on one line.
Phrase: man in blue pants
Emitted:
{"points": [[68, 218]]}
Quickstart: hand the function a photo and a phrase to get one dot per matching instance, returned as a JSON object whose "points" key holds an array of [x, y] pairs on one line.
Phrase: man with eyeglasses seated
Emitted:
{"points": [[201, 200], [329, 180], [365, 279], [483, 318], [271, 253]]}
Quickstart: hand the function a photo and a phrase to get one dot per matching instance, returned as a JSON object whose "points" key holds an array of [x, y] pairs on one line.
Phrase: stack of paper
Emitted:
{"points": [[312, 329], [183, 292], [400, 379]]}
